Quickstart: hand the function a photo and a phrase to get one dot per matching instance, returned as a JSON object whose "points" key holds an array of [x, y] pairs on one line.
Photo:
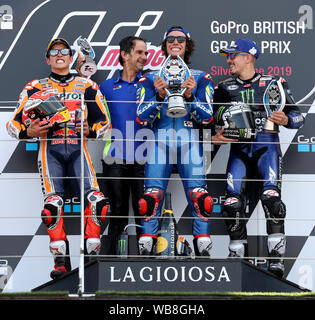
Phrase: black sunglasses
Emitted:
{"points": [[180, 39], [64, 52]]}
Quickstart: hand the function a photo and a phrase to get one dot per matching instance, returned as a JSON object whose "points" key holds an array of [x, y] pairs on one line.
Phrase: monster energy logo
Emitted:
{"points": [[122, 246], [248, 95], [219, 113]]}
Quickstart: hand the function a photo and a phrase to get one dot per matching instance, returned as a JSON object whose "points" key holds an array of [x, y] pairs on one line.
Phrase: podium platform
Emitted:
{"points": [[165, 275]]}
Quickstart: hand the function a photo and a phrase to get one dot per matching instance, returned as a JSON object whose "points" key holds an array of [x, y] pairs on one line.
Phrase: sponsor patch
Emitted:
{"points": [[188, 124]]}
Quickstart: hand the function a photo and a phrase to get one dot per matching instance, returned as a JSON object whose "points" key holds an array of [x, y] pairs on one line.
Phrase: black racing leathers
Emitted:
{"points": [[265, 156]]}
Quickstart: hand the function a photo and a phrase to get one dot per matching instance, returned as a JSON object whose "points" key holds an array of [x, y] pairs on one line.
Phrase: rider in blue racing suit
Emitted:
{"points": [[249, 87], [176, 141]]}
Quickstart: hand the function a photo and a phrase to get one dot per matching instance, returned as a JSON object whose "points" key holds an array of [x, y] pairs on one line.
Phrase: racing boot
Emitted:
{"points": [[238, 249], [202, 246], [58, 250], [92, 249], [146, 245], [276, 249], [276, 266], [59, 269]]}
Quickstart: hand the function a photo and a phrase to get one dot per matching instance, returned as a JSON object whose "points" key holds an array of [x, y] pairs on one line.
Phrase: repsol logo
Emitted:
{"points": [[162, 274], [69, 96]]}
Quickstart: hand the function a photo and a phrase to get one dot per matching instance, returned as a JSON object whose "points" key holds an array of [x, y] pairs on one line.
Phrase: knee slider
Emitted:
{"points": [[232, 206], [149, 203], [203, 202], [98, 205], [52, 211]]}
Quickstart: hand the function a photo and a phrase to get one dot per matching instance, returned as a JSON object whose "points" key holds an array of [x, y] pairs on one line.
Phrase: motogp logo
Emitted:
{"points": [[109, 58]]}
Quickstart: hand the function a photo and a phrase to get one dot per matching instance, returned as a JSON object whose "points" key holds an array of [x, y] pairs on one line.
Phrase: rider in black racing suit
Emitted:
{"points": [[266, 155]]}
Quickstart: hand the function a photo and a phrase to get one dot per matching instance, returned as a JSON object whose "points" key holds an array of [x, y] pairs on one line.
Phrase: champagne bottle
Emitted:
{"points": [[167, 234]]}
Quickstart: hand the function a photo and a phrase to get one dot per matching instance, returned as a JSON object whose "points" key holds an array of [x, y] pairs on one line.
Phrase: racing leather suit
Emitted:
{"points": [[265, 156], [176, 141], [59, 156]]}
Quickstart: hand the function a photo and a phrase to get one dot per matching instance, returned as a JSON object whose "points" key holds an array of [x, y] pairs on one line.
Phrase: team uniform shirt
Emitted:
{"points": [[121, 97]]}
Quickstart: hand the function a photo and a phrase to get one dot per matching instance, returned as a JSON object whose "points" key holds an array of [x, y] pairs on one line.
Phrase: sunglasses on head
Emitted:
{"points": [[171, 39], [64, 52]]}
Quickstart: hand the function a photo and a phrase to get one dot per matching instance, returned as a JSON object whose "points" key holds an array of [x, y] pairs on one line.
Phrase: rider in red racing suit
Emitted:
{"points": [[59, 156]]}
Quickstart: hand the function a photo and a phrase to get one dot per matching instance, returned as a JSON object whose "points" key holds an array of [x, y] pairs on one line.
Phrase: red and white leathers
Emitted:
{"points": [[59, 156]]}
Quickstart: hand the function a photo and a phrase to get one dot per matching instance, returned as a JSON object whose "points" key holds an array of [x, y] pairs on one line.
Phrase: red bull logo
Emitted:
{"points": [[64, 132], [67, 133]]}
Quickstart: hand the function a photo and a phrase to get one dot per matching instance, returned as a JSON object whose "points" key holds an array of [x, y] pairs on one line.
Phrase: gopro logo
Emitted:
{"points": [[6, 17]]}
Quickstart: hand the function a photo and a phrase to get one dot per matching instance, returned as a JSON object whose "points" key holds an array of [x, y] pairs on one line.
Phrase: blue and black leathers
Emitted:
{"points": [[265, 156], [176, 141]]}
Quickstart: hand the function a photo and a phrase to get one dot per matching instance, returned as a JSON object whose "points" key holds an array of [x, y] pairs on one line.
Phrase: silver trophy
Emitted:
{"points": [[174, 72], [84, 49], [274, 100]]}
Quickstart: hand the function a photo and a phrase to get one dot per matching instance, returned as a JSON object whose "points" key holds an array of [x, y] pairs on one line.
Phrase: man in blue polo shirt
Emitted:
{"points": [[119, 154]]}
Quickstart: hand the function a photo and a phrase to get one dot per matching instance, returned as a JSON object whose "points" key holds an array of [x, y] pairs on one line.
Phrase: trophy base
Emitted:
{"points": [[176, 106], [271, 127], [176, 112], [88, 68]]}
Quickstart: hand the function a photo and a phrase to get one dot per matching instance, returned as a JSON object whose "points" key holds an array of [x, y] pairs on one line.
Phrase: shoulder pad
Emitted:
{"points": [[93, 84], [31, 84], [88, 82], [207, 76], [81, 79]]}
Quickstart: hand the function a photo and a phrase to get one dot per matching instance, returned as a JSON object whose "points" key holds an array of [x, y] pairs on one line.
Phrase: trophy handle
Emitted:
{"points": [[282, 93], [184, 64], [163, 65]]}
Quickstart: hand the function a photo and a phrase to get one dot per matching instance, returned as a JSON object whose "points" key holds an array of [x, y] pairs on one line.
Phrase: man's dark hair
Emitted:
{"points": [[127, 44], [190, 46]]}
